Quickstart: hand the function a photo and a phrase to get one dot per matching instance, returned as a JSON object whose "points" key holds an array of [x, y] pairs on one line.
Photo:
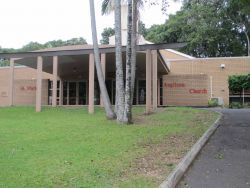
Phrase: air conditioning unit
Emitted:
{"points": [[219, 100]]}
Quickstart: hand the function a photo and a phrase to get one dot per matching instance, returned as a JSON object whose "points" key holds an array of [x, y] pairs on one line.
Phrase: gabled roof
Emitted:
{"points": [[180, 54]]}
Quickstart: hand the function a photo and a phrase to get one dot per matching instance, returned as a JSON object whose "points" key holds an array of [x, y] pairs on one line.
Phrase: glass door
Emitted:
{"points": [[65, 93], [82, 93], [72, 93], [50, 88], [142, 91]]}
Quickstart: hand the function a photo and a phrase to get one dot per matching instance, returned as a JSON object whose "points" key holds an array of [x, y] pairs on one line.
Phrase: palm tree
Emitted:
{"points": [[128, 90], [119, 66], [133, 46], [125, 104], [106, 100], [107, 7]]}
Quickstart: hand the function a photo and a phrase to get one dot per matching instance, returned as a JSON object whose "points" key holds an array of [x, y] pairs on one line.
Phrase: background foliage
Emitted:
{"points": [[37, 46], [212, 28], [239, 82]]}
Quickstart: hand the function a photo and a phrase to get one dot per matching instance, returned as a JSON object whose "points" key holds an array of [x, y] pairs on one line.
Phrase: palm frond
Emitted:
{"points": [[106, 6]]}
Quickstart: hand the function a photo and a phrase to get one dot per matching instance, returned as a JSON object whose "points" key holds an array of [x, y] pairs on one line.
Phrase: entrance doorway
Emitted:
{"points": [[75, 93], [50, 88], [141, 92]]}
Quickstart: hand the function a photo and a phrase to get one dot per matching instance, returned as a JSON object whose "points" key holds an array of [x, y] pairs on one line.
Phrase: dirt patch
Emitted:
{"points": [[162, 158], [200, 119], [144, 119]]}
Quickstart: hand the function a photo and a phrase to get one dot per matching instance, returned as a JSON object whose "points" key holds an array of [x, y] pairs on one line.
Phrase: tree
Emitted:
{"points": [[58, 43], [206, 26], [32, 46], [107, 32], [119, 67], [106, 100], [237, 12], [127, 117], [124, 105], [142, 30], [246, 6], [239, 83]]}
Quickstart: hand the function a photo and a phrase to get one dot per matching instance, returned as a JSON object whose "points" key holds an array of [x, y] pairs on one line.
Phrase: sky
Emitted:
{"points": [[46, 20]]}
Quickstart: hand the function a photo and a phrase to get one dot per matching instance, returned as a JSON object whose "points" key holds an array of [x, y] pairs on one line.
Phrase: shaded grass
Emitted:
{"points": [[68, 148]]}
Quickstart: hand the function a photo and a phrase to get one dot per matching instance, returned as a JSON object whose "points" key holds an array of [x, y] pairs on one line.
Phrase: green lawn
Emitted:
{"points": [[69, 148]]}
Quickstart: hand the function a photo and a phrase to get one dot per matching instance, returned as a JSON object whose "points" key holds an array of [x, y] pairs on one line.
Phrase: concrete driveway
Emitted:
{"points": [[225, 161]]}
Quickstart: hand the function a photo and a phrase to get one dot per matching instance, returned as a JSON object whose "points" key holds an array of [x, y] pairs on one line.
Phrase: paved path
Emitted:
{"points": [[225, 161]]}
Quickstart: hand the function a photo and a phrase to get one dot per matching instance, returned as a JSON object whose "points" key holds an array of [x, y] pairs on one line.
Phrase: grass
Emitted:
{"points": [[68, 148]]}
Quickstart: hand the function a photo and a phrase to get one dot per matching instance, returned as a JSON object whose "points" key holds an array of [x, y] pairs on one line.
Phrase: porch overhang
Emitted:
{"points": [[106, 49]]}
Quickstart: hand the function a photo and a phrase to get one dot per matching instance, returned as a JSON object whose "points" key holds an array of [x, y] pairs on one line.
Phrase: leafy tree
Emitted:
{"points": [[142, 30], [107, 32], [76, 41], [208, 28], [70, 42], [239, 83], [246, 7], [237, 12], [32, 46]]}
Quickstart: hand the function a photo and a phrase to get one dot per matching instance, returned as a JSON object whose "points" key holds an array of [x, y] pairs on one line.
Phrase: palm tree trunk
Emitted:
{"points": [[106, 100], [133, 46], [128, 89], [119, 66]]}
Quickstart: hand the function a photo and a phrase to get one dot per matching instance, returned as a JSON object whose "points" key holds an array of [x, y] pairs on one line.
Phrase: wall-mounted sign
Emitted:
{"points": [[28, 88], [174, 85], [198, 91]]}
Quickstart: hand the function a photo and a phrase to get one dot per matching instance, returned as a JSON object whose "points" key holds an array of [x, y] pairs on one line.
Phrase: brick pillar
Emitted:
{"points": [[11, 82], [39, 84], [154, 78], [103, 63], [159, 93], [54, 85], [148, 82], [91, 83]]}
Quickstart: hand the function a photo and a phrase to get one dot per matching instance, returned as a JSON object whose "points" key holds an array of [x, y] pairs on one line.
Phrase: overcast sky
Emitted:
{"points": [[23, 21]]}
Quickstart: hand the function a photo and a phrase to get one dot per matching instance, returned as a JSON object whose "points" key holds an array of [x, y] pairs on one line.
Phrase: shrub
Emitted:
{"points": [[236, 105], [246, 105], [212, 103]]}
